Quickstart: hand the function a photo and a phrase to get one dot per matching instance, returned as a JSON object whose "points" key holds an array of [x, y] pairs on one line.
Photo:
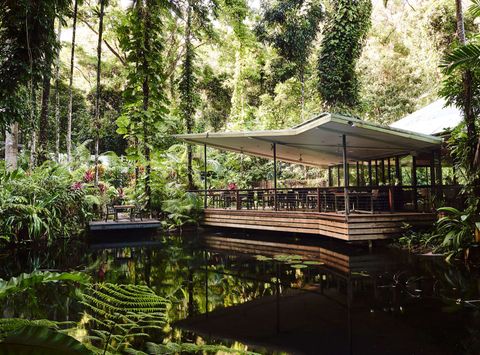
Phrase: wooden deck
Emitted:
{"points": [[124, 224], [355, 227]]}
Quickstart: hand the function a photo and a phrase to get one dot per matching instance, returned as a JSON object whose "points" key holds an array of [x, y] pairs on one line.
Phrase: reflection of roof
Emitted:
{"points": [[432, 119], [318, 141]]}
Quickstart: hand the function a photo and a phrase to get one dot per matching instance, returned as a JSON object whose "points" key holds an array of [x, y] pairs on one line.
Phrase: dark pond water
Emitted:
{"points": [[274, 294]]}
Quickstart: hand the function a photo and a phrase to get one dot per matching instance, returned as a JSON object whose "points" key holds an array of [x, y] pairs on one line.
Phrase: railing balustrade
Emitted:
{"points": [[332, 199]]}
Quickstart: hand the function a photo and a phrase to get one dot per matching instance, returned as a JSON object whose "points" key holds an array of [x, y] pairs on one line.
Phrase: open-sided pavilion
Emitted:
{"points": [[378, 179]]}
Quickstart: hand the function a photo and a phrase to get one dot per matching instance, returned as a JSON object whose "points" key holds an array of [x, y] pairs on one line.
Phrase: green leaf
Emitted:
{"points": [[299, 266], [313, 263], [33, 340]]}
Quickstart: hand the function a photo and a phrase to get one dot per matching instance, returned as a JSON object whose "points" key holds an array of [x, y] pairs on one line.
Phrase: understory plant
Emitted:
{"points": [[42, 204], [185, 208], [452, 235], [454, 232], [117, 319]]}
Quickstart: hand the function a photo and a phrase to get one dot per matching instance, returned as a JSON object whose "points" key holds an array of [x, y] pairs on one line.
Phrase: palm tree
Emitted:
{"points": [[465, 59]]}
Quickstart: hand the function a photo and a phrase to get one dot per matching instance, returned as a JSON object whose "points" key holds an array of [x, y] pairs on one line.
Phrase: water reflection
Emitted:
{"points": [[278, 294]]}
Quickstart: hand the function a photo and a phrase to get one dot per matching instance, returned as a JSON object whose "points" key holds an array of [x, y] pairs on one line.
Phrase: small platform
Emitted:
{"points": [[124, 224]]}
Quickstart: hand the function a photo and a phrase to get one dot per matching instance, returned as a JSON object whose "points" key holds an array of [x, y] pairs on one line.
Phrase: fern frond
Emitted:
{"points": [[124, 312]]}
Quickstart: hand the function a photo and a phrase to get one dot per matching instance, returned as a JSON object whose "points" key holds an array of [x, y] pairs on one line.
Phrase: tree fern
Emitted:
{"points": [[180, 348], [120, 314]]}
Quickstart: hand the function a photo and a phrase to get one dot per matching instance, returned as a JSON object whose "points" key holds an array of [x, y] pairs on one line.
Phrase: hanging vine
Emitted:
{"points": [[344, 34]]}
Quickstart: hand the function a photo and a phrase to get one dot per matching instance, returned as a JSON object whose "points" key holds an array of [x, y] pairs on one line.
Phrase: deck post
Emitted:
{"points": [[389, 174], [338, 176], [318, 200], [205, 176], [439, 172], [370, 176], [382, 166], [358, 174], [376, 172], [345, 175], [330, 178], [275, 199], [414, 181], [432, 170], [398, 170]]}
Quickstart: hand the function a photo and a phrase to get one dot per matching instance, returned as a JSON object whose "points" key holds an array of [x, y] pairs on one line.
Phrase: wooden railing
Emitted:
{"points": [[334, 199]]}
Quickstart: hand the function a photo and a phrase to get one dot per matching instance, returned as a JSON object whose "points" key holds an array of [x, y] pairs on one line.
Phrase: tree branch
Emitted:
{"points": [[114, 52]]}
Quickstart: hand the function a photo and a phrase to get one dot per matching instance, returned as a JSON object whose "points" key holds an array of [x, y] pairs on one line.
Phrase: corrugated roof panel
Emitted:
{"points": [[432, 119], [318, 142]]}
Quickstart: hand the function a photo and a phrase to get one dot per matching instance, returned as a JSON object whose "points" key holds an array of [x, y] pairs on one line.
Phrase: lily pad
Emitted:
{"points": [[262, 258], [299, 266], [312, 262]]}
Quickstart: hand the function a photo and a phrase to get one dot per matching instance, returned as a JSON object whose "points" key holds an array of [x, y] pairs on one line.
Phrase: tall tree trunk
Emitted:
{"points": [[189, 118], [11, 147], [43, 132], [97, 96], [302, 99], [70, 87], [43, 129], [57, 95], [34, 125], [467, 87], [146, 99]]}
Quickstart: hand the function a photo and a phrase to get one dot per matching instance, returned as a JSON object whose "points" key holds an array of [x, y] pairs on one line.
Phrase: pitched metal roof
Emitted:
{"points": [[318, 142], [431, 119]]}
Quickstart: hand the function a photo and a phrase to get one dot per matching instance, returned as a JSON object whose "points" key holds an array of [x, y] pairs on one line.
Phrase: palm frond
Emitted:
{"points": [[474, 9], [465, 57]]}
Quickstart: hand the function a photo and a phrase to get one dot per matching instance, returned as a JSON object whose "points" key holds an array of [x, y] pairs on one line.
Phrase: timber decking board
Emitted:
{"points": [[355, 226]]}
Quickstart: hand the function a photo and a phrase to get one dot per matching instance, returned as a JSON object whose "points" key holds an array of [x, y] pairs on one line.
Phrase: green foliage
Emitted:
{"points": [[346, 29], [291, 27], [121, 314], [41, 204], [185, 209], [176, 348], [29, 281], [27, 47], [461, 87], [463, 57], [217, 99], [39, 340], [10, 325], [454, 232], [140, 37]]}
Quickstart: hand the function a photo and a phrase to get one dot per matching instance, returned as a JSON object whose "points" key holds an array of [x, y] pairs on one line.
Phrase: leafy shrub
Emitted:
{"points": [[46, 203]]}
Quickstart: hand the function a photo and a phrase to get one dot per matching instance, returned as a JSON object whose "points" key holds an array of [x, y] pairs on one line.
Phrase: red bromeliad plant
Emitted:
{"points": [[88, 176]]}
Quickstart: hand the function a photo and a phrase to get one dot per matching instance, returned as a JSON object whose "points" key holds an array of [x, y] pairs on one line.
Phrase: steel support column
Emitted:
{"points": [[345, 174], [275, 200], [205, 175]]}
